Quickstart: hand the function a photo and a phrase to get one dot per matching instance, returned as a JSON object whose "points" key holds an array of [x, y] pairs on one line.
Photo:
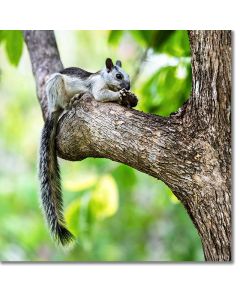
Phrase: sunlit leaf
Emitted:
{"points": [[80, 184], [72, 215], [104, 202], [165, 91], [177, 44], [174, 199], [14, 45]]}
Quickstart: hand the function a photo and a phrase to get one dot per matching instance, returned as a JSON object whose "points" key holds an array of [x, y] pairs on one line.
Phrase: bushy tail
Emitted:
{"points": [[50, 181]]}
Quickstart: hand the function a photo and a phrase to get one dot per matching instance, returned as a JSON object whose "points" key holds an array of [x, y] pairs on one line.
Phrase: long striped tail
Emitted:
{"points": [[50, 182]]}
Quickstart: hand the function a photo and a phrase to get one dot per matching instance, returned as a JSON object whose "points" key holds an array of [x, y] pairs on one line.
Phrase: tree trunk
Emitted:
{"points": [[208, 115], [190, 151]]}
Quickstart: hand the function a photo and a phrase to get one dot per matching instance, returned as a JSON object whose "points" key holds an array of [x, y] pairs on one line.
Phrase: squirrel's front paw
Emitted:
{"points": [[127, 98], [122, 94]]}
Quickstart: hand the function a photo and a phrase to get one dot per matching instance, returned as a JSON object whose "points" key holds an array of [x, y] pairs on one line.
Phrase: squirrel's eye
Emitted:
{"points": [[119, 76]]}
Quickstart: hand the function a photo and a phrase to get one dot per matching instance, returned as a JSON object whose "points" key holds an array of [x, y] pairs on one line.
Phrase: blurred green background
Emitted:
{"points": [[117, 213]]}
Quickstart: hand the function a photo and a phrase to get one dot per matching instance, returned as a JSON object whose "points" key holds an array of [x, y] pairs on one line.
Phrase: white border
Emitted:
{"points": [[119, 14], [121, 281]]}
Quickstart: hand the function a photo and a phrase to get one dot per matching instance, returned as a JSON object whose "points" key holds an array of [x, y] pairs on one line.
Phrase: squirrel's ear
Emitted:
{"points": [[109, 64], [119, 63]]}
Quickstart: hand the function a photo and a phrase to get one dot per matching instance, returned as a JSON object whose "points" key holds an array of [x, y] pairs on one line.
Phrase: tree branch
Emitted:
{"points": [[148, 143]]}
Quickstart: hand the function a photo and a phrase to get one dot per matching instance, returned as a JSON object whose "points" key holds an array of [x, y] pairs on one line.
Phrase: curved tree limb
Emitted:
{"points": [[142, 141], [190, 151]]}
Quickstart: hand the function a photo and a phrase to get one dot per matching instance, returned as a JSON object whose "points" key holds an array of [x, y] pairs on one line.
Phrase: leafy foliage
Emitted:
{"points": [[168, 85], [13, 41], [116, 212], [104, 200], [167, 89]]}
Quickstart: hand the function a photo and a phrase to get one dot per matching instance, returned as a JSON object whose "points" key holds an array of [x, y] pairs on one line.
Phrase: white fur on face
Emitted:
{"points": [[112, 81]]}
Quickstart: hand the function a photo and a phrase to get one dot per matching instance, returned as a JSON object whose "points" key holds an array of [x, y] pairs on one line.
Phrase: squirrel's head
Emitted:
{"points": [[115, 77]]}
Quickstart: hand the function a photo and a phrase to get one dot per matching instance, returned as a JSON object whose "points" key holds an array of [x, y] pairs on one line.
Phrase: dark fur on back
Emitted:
{"points": [[77, 72], [49, 175]]}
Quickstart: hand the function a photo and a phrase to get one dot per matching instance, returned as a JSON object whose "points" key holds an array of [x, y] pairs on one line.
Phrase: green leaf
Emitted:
{"points": [[80, 184], [151, 38], [140, 37], [2, 35], [160, 38], [172, 42], [167, 89], [13, 45], [72, 216], [115, 37], [104, 202], [177, 45], [174, 199]]}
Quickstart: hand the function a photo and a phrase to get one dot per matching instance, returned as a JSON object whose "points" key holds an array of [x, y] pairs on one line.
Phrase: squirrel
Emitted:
{"points": [[111, 84]]}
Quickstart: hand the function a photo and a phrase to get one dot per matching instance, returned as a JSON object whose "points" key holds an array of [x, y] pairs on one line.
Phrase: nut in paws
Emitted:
{"points": [[128, 99]]}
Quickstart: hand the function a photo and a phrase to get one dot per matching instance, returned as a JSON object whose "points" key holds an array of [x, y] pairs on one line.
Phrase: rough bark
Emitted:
{"points": [[190, 151], [45, 59], [208, 116]]}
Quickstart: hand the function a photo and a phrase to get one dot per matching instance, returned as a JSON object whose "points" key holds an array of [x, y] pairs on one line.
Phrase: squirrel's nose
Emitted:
{"points": [[127, 86]]}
